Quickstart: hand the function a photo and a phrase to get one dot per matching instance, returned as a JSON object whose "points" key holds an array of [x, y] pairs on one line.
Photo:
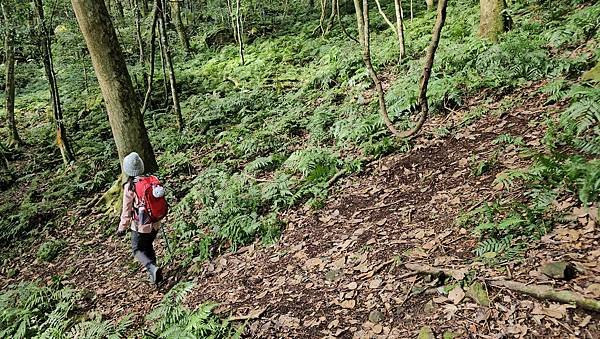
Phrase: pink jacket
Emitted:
{"points": [[129, 201]]}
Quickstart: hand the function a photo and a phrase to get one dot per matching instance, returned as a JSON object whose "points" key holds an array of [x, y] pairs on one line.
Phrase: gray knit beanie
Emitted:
{"points": [[133, 165]]}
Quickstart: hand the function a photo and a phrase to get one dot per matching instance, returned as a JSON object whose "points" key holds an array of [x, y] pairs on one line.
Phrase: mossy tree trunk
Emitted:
{"points": [[62, 140], [122, 105], [9, 61], [491, 19], [179, 27]]}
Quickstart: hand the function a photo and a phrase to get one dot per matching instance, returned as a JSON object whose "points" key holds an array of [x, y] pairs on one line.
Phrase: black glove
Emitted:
{"points": [[121, 233]]}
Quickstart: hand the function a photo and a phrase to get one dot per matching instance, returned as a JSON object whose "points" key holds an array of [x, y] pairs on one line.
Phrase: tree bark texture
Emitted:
{"points": [[162, 19], [179, 27], [124, 115], [46, 45], [9, 61], [491, 20]]}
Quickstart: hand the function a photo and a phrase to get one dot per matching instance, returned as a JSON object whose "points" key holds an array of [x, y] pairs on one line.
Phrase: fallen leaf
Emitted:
{"points": [[459, 274], [348, 304], [594, 290], [557, 311], [426, 333], [456, 295], [375, 283], [478, 292], [585, 321], [352, 286], [310, 263]]}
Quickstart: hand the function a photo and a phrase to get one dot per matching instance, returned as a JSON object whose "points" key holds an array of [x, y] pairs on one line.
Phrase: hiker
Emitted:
{"points": [[137, 215]]}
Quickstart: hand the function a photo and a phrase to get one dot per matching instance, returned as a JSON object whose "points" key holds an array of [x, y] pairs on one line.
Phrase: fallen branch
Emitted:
{"points": [[457, 274], [376, 269], [335, 178], [252, 315], [546, 292]]}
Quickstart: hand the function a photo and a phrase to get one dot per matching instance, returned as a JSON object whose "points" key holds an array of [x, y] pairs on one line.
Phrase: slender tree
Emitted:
{"points": [[179, 27], [239, 29], [166, 53], [124, 115], [152, 59], [45, 43], [492, 21], [9, 61], [397, 28], [362, 19]]}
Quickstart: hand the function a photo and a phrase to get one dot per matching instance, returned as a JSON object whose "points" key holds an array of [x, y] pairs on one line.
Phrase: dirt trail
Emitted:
{"points": [[337, 271]]}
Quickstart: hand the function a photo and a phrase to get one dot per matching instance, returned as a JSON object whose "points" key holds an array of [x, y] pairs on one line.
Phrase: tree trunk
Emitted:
{"points": [[232, 20], [331, 21], [400, 27], [491, 21], [429, 4], [152, 58], [119, 6], [397, 28], [162, 27], [9, 61], [181, 32], [124, 115], [238, 25], [46, 45]]}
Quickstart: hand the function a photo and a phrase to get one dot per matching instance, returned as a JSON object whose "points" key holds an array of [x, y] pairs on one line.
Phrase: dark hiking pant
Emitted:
{"points": [[141, 244]]}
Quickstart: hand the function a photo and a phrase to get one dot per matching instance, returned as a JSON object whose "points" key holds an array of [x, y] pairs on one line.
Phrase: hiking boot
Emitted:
{"points": [[155, 274]]}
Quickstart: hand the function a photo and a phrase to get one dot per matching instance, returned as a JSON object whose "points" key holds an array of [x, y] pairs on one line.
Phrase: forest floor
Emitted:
{"points": [[340, 271]]}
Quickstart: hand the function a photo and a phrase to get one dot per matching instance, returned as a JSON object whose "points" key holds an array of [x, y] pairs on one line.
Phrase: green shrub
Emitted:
{"points": [[49, 250]]}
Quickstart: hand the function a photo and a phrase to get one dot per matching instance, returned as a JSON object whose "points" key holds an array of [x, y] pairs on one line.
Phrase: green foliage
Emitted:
{"points": [[509, 140], [32, 311], [171, 319], [480, 167], [49, 250]]}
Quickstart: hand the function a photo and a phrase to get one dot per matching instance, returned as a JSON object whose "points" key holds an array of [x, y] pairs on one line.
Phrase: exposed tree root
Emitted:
{"points": [[546, 292]]}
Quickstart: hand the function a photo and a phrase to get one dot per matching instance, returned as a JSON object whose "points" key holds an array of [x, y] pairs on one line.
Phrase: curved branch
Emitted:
{"points": [[339, 19], [385, 17], [362, 17], [435, 40]]}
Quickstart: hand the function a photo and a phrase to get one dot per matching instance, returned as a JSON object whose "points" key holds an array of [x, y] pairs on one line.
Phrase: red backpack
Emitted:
{"points": [[151, 209]]}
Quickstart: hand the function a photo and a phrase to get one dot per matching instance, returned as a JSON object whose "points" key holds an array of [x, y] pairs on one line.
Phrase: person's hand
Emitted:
{"points": [[121, 233]]}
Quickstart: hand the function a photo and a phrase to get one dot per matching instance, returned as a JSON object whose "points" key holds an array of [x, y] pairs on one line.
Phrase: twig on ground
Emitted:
{"points": [[252, 315], [426, 269], [335, 178], [376, 269], [408, 293]]}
